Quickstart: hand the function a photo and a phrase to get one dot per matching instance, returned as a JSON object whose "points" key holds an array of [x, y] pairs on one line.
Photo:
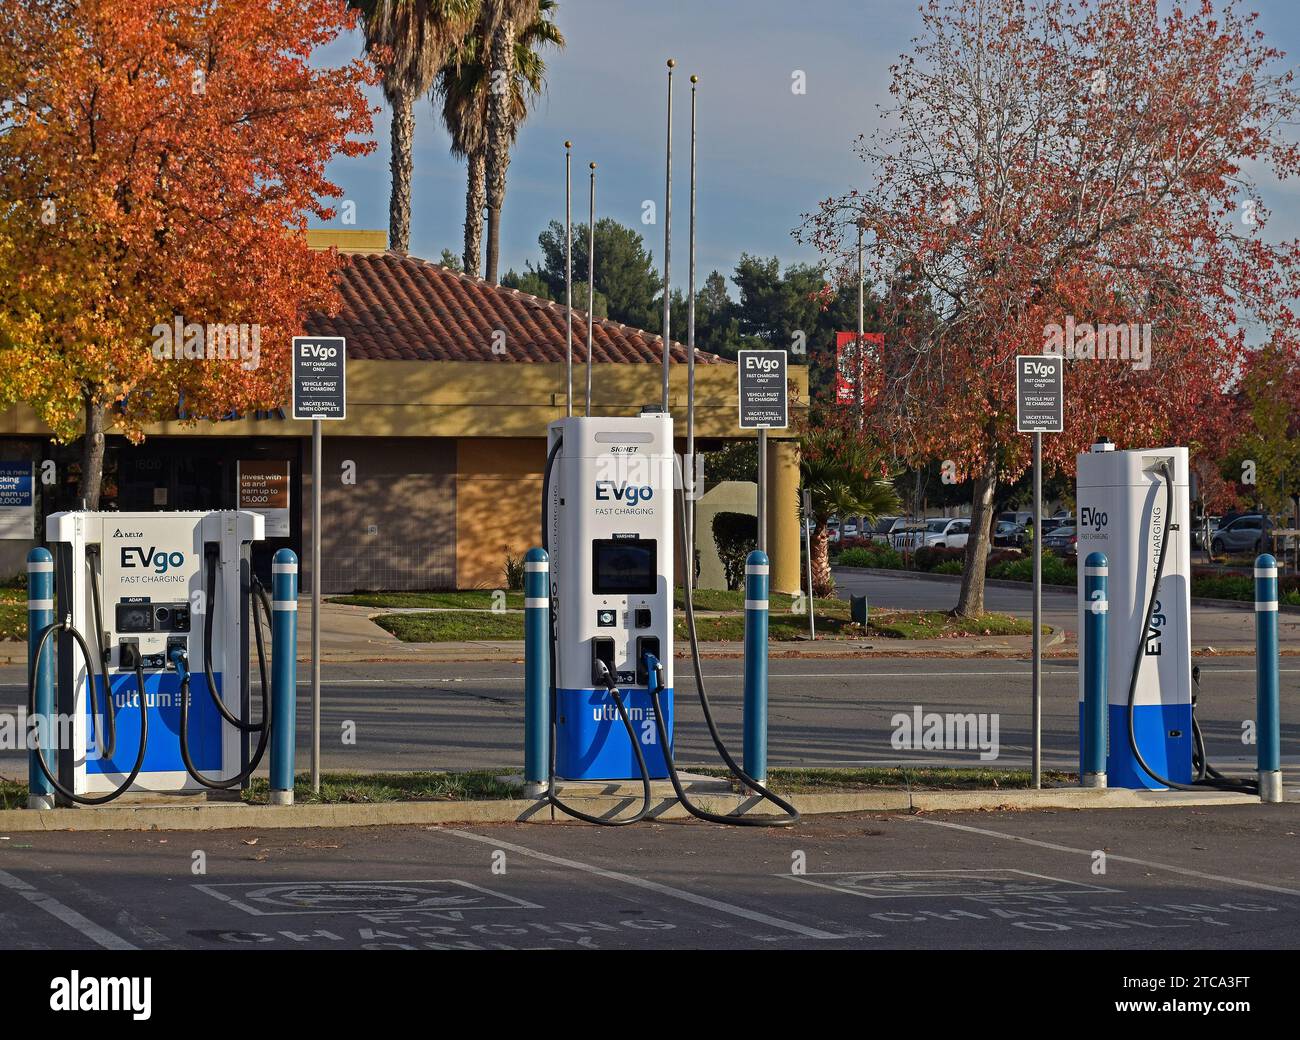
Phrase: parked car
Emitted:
{"points": [[849, 529], [1203, 531], [910, 536], [1009, 535], [1246, 534], [947, 532], [1021, 519], [1054, 523], [883, 529], [1064, 541]]}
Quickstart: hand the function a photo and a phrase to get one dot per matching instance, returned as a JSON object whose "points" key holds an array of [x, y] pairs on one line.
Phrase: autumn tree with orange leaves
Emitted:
{"points": [[1054, 165], [159, 160]]}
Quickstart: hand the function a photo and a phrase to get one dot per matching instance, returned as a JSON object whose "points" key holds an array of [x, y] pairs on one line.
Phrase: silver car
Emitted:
{"points": [[1249, 533]]}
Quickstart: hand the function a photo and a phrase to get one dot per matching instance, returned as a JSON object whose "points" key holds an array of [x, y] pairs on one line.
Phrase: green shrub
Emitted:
{"points": [[1225, 586], [1214, 585], [949, 567], [1055, 570], [928, 557], [736, 536], [871, 556], [514, 572]]}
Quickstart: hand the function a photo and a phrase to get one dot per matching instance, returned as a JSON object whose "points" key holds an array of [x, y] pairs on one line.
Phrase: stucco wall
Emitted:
{"points": [[498, 505], [395, 528]]}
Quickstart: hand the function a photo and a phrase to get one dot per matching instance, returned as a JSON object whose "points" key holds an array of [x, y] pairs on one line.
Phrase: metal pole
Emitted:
{"points": [[537, 670], [689, 577], [1092, 731], [568, 279], [284, 677], [756, 628], [668, 233], [807, 540], [591, 279], [861, 331], [1036, 765], [40, 613], [316, 478], [1268, 740], [762, 490]]}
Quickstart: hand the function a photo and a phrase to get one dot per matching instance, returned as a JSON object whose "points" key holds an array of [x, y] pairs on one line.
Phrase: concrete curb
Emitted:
{"points": [[232, 816]]}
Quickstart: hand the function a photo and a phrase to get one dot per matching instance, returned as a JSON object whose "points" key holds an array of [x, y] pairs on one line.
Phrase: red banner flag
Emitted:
{"points": [[846, 367]]}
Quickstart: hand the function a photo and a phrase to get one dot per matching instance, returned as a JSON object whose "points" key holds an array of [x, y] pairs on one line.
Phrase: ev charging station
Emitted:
{"points": [[608, 542], [1134, 507], [152, 619], [609, 526]]}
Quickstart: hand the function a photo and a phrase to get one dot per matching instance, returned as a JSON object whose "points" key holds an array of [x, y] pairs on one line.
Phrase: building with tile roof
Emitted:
{"points": [[435, 474]]}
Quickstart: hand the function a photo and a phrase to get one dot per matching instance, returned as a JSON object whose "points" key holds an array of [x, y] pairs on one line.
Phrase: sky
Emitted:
{"points": [[766, 154]]}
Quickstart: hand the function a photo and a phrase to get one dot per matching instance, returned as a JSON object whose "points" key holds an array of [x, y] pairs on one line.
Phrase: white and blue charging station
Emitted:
{"points": [[609, 526], [1123, 511], [159, 599]]}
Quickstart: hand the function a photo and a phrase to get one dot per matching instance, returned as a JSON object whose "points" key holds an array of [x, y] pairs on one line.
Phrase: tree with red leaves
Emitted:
{"points": [[158, 163], [1072, 176]]}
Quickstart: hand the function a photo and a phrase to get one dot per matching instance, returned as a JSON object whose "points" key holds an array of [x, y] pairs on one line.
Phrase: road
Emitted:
{"points": [[1214, 879], [821, 712]]}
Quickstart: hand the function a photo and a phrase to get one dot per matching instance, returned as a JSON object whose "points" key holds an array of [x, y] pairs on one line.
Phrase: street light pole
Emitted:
{"points": [[861, 331]]}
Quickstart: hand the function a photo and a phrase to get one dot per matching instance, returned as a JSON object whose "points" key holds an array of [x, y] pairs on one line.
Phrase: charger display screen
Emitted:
{"points": [[624, 567]]}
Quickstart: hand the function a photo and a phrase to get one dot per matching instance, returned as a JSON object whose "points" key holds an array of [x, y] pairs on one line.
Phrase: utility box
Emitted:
{"points": [[858, 610]]}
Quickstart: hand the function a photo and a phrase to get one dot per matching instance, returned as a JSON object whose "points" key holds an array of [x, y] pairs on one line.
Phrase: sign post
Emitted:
{"points": [[764, 405], [319, 393], [807, 539], [1040, 409]]}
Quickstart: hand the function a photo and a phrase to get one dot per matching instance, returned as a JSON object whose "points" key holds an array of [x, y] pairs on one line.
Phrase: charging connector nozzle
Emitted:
{"points": [[654, 670], [180, 662]]}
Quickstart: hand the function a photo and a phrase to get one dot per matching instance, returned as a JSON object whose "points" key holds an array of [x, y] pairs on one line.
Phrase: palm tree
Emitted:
{"points": [[500, 22], [836, 465], [463, 86], [411, 40]]}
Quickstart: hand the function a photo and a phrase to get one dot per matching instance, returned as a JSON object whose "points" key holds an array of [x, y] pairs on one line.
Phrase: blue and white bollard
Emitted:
{"points": [[755, 718], [284, 674], [1092, 719], [40, 613], [1268, 737], [537, 671]]}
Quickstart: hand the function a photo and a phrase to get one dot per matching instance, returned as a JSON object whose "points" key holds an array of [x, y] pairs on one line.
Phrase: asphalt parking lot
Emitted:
{"points": [[1218, 878]]}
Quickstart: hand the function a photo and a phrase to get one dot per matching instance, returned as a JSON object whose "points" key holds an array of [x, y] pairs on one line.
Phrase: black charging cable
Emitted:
{"points": [[130, 657], [258, 599], [1207, 776]]}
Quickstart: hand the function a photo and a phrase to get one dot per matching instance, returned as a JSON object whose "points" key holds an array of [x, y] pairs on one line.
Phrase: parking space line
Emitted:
{"points": [[95, 933], [1186, 871], [756, 916]]}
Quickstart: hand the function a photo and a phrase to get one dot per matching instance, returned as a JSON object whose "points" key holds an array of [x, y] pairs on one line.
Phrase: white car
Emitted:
{"points": [[947, 532], [886, 527]]}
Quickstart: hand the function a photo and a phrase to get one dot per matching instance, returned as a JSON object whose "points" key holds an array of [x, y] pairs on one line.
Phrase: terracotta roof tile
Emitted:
{"points": [[401, 308]]}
